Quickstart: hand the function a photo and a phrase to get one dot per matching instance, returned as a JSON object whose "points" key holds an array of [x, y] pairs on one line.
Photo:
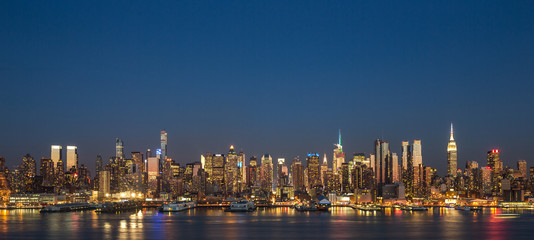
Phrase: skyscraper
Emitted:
{"points": [[266, 172], [314, 174], [338, 156], [55, 153], [494, 162], [383, 163], [297, 173], [163, 145], [72, 157], [417, 153], [522, 168], [405, 147], [119, 149], [452, 161]]}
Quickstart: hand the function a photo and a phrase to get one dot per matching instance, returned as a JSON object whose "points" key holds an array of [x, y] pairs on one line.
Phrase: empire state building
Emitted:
{"points": [[452, 156]]}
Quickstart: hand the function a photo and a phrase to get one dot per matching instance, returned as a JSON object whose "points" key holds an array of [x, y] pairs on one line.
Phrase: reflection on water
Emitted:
{"points": [[270, 223]]}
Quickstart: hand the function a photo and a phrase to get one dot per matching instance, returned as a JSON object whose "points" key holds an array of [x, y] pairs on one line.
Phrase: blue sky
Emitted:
{"points": [[267, 76]]}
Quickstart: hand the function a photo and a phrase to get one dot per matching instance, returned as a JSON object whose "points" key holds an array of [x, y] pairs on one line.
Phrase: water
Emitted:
{"points": [[268, 223]]}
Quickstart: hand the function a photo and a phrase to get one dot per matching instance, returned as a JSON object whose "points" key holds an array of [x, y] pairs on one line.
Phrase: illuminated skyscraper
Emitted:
{"points": [[266, 172], [231, 171], [324, 168], [405, 148], [55, 153], [72, 157], [452, 157], [522, 168], [338, 156], [297, 173], [119, 149], [383, 163], [314, 174], [163, 145], [417, 153], [494, 162]]}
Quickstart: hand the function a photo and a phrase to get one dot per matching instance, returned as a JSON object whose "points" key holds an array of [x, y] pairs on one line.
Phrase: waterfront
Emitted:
{"points": [[269, 223]]}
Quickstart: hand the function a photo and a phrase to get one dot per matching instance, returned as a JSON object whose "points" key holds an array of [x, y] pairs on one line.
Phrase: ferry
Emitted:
{"points": [[242, 205], [177, 206]]}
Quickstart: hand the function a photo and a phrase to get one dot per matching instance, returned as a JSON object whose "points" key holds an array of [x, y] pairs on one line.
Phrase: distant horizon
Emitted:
{"points": [[289, 159]]}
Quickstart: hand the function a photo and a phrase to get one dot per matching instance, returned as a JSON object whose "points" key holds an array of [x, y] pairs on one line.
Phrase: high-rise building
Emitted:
{"points": [[338, 156], [231, 171], [452, 156], [280, 175], [137, 159], [47, 171], [163, 140], [266, 172], [104, 181], [405, 148], [297, 173], [72, 157], [417, 153], [324, 168], [522, 168], [494, 162], [314, 174], [119, 149], [217, 172], [383, 163], [55, 153], [396, 170], [252, 172]]}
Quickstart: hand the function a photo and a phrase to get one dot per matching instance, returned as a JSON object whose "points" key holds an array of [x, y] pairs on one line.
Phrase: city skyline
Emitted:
{"points": [[278, 77], [119, 148]]}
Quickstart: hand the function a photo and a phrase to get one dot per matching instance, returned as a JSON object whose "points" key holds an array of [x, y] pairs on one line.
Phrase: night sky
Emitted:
{"points": [[268, 77]]}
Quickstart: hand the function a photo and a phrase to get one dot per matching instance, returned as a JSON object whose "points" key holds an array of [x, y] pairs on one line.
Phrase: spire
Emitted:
{"points": [[325, 162], [339, 137], [452, 133]]}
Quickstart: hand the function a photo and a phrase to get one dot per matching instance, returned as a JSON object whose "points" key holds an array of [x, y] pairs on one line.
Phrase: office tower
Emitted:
{"points": [[297, 174], [99, 166], [324, 168], [104, 187], [494, 161], [338, 156], [137, 159], [266, 173], [372, 162], [383, 163], [396, 170], [55, 153], [405, 147], [495, 164], [60, 175], [148, 153], [72, 157], [217, 172], [486, 181], [314, 174], [232, 171], [241, 165], [163, 140], [345, 183], [417, 153], [47, 171], [252, 171], [522, 168], [208, 166], [408, 173], [280, 175], [119, 149], [452, 156], [28, 167]]}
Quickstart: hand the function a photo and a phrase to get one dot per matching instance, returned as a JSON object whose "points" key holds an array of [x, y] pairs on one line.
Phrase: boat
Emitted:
{"points": [[370, 207], [177, 206], [307, 207], [414, 208], [242, 205]]}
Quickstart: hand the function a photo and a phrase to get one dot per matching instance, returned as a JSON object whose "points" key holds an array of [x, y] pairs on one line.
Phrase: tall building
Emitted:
{"points": [[280, 175], [47, 171], [163, 140], [217, 172], [405, 148], [55, 153], [72, 157], [119, 149], [383, 163], [338, 156], [494, 162], [104, 181], [137, 159], [417, 153], [231, 171], [452, 156], [396, 170], [314, 174], [252, 172], [266, 172], [522, 168], [324, 168], [297, 173]]}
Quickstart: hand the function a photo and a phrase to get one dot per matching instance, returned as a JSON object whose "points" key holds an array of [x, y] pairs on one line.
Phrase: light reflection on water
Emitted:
{"points": [[270, 223]]}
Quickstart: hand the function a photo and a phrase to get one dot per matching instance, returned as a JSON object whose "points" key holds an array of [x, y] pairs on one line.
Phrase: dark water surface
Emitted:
{"points": [[269, 223]]}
